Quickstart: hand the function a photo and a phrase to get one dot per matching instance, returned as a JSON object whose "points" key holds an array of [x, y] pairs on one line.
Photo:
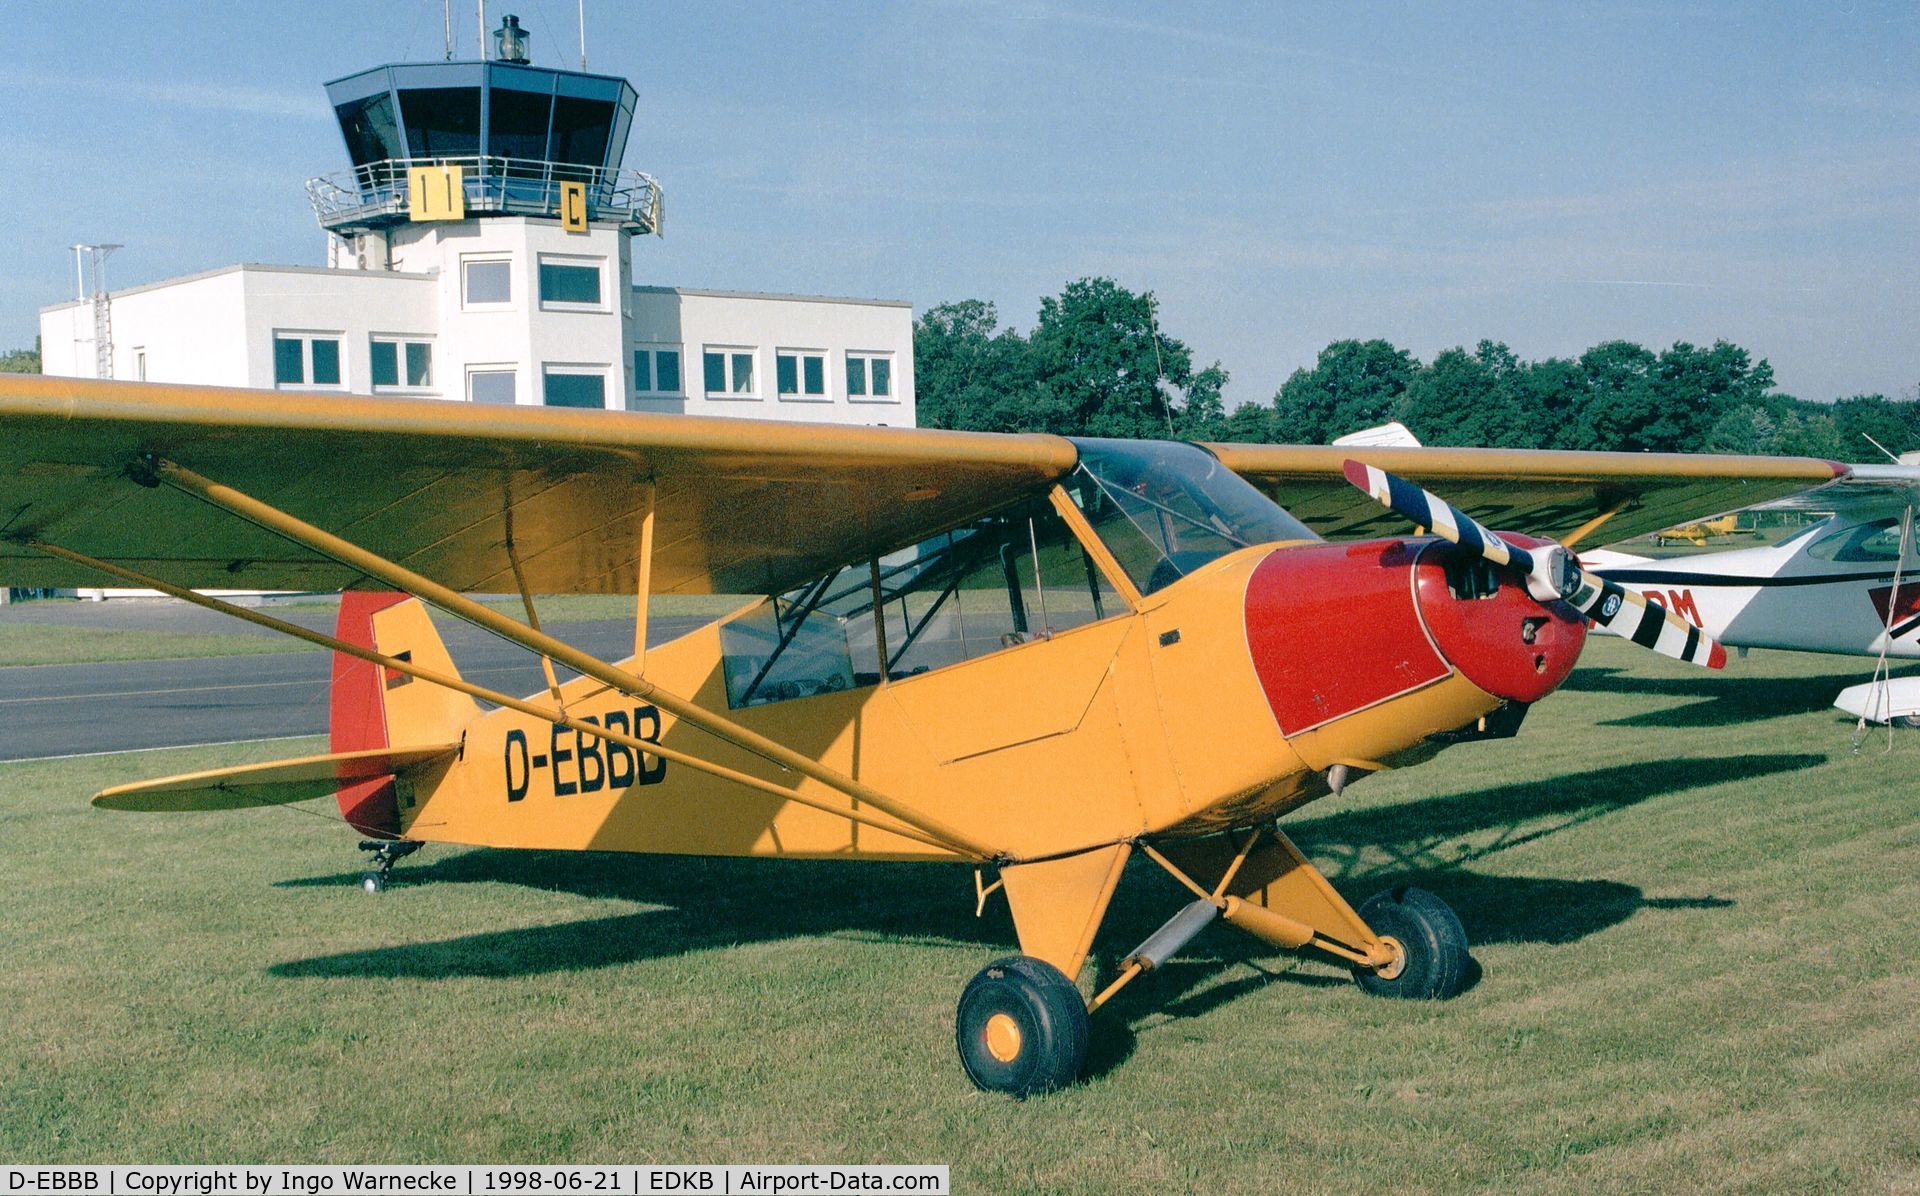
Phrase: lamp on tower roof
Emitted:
{"points": [[510, 41]]}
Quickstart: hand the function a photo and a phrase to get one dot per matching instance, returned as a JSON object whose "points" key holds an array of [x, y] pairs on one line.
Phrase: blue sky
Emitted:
{"points": [[1280, 175]]}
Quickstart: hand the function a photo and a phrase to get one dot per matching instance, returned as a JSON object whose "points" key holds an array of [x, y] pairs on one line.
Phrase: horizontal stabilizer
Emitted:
{"points": [[275, 783]]}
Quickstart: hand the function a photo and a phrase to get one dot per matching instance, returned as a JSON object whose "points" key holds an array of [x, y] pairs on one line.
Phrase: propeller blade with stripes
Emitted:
{"points": [[1550, 574]]}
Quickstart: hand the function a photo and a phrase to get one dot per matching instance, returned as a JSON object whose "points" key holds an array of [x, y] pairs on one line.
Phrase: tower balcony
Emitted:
{"points": [[375, 195]]}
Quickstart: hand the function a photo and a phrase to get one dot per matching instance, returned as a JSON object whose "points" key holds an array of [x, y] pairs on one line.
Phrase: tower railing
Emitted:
{"points": [[373, 195]]}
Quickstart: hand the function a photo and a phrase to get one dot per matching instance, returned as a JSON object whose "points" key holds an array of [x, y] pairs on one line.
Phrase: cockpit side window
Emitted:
{"points": [[998, 582], [1860, 543]]}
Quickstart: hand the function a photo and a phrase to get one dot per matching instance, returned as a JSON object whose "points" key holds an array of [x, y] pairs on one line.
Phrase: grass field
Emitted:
{"points": [[36, 643], [1696, 910]]}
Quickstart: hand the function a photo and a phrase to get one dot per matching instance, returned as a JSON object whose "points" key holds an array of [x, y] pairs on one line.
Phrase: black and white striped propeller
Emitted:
{"points": [[1551, 574]]}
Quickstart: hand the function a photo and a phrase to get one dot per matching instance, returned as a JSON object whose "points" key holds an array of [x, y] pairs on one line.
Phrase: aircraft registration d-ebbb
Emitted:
{"points": [[1032, 654]]}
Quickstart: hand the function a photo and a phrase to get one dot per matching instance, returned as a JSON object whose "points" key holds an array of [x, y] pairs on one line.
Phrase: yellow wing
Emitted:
{"points": [[1580, 499], [743, 506], [275, 783]]}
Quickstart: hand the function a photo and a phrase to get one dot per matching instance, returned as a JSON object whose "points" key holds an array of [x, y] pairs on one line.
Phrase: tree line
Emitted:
{"points": [[1097, 364]]}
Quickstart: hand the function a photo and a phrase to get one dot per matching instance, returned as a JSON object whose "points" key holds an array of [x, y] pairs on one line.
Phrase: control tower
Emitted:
{"points": [[480, 249], [496, 138]]}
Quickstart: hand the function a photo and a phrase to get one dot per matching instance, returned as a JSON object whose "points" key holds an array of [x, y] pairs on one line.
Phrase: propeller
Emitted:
{"points": [[1551, 574]]}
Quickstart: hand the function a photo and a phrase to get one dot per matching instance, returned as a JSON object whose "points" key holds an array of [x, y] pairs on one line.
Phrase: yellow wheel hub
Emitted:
{"points": [[1397, 964], [1003, 1038]]}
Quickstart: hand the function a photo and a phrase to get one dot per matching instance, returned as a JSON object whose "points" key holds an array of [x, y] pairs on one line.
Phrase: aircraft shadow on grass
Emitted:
{"points": [[702, 904], [1724, 701]]}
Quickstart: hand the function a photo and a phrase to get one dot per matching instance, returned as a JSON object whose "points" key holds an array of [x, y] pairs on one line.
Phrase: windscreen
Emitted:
{"points": [[1165, 509]]}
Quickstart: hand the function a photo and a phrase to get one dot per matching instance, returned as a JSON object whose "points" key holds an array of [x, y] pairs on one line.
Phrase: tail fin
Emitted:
{"points": [[374, 707]]}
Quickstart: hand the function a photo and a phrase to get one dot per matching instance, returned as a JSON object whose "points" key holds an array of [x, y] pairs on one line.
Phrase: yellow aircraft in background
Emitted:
{"points": [[1026, 653], [1700, 533]]}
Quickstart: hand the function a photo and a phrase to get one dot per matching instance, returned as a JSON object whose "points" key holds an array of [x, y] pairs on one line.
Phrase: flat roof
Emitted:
{"points": [[772, 295], [238, 267], [405, 275]]}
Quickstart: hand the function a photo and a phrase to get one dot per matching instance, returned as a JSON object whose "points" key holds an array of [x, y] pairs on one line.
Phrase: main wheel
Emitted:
{"points": [[1432, 962], [1021, 1028], [374, 882]]}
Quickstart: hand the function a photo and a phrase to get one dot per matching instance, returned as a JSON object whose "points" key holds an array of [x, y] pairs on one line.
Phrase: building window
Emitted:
{"points": [[870, 376], [401, 364], [656, 371], [574, 388], [570, 282], [492, 385], [487, 282], [729, 372], [799, 373], [306, 359], [140, 364]]}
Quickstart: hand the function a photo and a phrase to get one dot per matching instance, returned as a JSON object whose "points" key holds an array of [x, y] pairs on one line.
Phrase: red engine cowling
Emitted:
{"points": [[1336, 628]]}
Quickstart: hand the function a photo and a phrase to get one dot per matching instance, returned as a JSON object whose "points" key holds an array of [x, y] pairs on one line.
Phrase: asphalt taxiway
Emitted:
{"points": [[82, 709]]}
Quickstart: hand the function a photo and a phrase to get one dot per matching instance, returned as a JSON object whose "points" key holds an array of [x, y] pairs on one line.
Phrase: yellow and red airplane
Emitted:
{"points": [[1032, 654]]}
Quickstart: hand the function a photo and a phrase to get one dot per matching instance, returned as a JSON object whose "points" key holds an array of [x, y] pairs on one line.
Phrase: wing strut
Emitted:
{"points": [[398, 665]]}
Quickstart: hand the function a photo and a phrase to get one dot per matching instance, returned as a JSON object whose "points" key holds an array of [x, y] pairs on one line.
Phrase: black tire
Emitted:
{"points": [[1907, 722], [373, 882], [1021, 1028], [1434, 962]]}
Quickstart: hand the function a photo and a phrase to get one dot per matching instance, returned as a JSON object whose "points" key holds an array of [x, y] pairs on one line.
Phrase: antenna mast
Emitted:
{"points": [[583, 34], [446, 20], [480, 6]]}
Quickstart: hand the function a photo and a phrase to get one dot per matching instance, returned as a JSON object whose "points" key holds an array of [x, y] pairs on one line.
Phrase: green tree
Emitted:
{"points": [[1104, 369], [1550, 396], [1250, 423], [969, 373], [1620, 398], [21, 361], [1895, 425], [1744, 429], [1352, 385], [1468, 399]]}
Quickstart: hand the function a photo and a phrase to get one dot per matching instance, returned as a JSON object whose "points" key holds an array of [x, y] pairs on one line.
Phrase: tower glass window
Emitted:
{"points": [[580, 130], [517, 123], [442, 122], [372, 133]]}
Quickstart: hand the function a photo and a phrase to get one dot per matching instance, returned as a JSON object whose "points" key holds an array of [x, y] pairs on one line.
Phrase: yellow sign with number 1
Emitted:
{"points": [[436, 193]]}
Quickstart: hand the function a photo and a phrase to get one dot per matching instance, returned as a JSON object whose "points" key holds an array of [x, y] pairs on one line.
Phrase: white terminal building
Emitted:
{"points": [[481, 249]]}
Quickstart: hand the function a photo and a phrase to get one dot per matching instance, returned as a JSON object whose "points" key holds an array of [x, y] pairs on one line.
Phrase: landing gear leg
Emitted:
{"points": [[384, 853]]}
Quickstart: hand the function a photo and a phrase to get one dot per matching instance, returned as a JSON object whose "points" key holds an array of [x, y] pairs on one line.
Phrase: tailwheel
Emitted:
{"points": [[384, 852], [1430, 960], [1021, 1028]]}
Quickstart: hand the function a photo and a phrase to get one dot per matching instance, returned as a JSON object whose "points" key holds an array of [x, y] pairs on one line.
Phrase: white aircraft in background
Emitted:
{"points": [[1849, 584]]}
